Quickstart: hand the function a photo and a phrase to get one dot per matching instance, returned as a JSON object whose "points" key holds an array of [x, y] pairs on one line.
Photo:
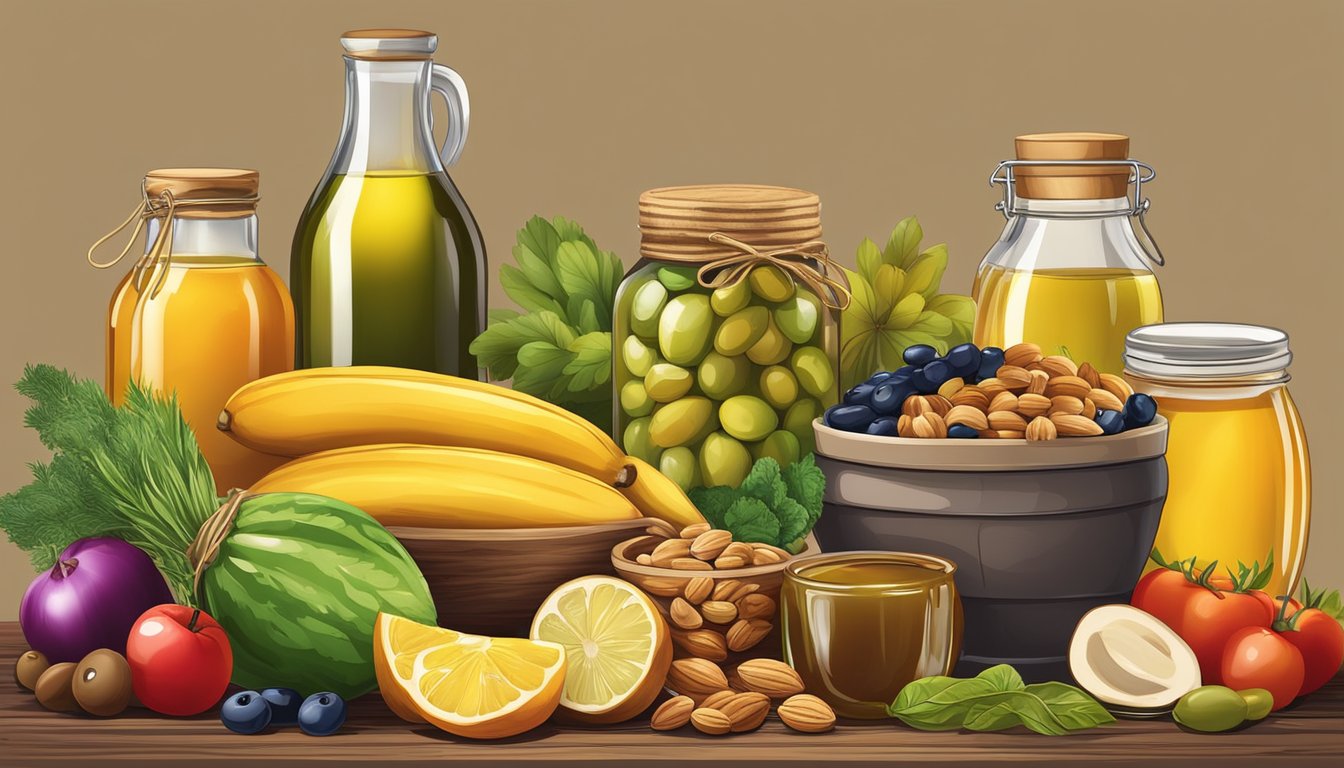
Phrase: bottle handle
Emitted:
{"points": [[453, 89]]}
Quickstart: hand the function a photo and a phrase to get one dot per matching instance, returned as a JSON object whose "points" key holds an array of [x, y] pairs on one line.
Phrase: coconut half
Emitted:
{"points": [[1131, 661]]}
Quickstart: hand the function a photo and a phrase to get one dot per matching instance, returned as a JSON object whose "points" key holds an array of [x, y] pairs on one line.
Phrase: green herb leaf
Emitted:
{"points": [[994, 700], [524, 294], [590, 366], [1009, 708], [869, 259], [806, 484], [751, 520], [1071, 706], [903, 245], [499, 345], [587, 275], [793, 521], [540, 237], [713, 503], [765, 482]]}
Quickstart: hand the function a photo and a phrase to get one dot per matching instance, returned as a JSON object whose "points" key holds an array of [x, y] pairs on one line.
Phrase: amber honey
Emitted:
{"points": [[859, 626]]}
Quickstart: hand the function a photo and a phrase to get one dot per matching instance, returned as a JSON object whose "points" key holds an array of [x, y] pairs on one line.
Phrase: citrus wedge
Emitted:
{"points": [[468, 685], [617, 647]]}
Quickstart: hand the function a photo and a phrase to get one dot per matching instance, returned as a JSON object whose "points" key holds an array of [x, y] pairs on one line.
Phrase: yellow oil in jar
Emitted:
{"points": [[1086, 312], [1240, 483]]}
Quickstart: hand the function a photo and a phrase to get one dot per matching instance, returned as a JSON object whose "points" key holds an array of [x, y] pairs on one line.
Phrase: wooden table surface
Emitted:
{"points": [[1312, 732]]}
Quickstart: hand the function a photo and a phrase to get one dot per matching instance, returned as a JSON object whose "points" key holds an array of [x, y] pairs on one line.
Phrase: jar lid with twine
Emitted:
{"points": [[1079, 182], [731, 229]]}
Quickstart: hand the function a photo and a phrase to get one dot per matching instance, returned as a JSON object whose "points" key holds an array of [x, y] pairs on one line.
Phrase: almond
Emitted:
{"points": [[968, 416], [731, 562], [905, 426], [746, 711], [765, 557], [718, 611], [1089, 374], [940, 405], [1010, 434], [951, 387], [1116, 386], [710, 721], [644, 559], [1071, 386], [1041, 428], [916, 405], [773, 678], [989, 434], [672, 714], [661, 586], [724, 588], [755, 606], [972, 396], [992, 387], [1014, 378], [698, 589], [1031, 405], [716, 700], [1065, 404], [693, 530], [1104, 399], [1039, 380], [683, 614], [806, 713], [784, 554], [1004, 401], [739, 548], [690, 563], [1058, 365], [711, 544], [742, 590], [1021, 354], [1072, 425], [702, 643], [1089, 408], [695, 677], [670, 550], [746, 633], [1001, 420]]}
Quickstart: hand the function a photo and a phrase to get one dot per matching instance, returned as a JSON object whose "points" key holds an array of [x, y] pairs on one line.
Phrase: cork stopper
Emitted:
{"points": [[235, 188], [675, 222], [1063, 182]]}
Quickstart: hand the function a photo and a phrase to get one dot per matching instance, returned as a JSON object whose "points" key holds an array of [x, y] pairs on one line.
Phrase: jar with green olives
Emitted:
{"points": [[725, 333]]}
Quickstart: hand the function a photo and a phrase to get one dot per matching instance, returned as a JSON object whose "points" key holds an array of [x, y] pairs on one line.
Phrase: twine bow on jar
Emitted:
{"points": [[808, 263]]}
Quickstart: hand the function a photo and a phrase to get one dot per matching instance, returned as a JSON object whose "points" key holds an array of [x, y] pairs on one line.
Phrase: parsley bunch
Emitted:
{"points": [[772, 506]]}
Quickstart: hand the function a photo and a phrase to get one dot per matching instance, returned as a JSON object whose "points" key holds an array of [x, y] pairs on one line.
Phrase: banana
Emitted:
{"points": [[441, 487], [658, 496]]}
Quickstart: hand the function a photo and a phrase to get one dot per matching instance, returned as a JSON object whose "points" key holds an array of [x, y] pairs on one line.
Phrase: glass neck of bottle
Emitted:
{"points": [[1073, 209], [387, 119], [200, 240]]}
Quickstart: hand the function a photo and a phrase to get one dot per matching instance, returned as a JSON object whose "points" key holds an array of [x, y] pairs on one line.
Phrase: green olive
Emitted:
{"points": [[722, 377], [1211, 708], [780, 445], [635, 400], [741, 330], [1258, 703], [636, 441], [747, 418], [774, 346], [730, 298], [723, 461], [638, 356], [645, 308], [771, 283], [677, 278], [681, 467], [666, 382], [798, 421], [814, 371], [684, 328], [797, 317], [779, 386], [681, 422]]}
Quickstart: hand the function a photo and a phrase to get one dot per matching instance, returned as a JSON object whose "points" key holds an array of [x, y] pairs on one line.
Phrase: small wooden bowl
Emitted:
{"points": [[491, 581]]}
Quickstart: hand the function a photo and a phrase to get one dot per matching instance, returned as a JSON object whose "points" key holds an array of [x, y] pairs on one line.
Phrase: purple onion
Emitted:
{"points": [[90, 599]]}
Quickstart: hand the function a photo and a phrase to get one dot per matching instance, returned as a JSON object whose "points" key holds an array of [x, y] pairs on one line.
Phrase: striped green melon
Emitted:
{"points": [[298, 584]]}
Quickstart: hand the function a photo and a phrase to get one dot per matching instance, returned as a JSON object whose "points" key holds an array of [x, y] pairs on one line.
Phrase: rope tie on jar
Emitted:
{"points": [[795, 261], [151, 269]]}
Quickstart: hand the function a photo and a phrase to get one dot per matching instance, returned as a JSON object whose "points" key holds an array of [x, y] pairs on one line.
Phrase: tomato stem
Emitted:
{"points": [[1281, 621], [195, 616]]}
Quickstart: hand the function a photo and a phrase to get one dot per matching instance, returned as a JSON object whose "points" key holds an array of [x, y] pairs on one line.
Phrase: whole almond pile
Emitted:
{"points": [[708, 703]]}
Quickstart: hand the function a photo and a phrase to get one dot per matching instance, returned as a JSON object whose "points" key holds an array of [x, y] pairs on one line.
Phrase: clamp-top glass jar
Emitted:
{"points": [[725, 331], [1068, 272]]}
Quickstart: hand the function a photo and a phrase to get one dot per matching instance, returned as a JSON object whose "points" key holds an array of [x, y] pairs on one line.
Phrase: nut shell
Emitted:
{"points": [[698, 589], [747, 633], [773, 678], [746, 711], [672, 714], [696, 677], [711, 721], [806, 713], [683, 614], [702, 643], [711, 544], [718, 611]]}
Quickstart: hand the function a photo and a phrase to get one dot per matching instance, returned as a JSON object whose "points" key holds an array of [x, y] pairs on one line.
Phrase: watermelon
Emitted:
{"points": [[298, 584]]}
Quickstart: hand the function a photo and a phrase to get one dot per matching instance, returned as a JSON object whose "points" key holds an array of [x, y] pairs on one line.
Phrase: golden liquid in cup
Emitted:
{"points": [[859, 626]]}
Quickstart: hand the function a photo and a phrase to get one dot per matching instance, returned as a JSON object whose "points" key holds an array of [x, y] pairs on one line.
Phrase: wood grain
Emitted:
{"points": [[1310, 733]]}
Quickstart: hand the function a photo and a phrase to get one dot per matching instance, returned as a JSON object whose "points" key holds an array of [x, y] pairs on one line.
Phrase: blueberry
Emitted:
{"points": [[850, 418], [921, 382], [965, 360], [991, 360], [284, 706], [246, 713], [937, 372], [322, 714], [1111, 422], [1140, 410], [904, 370], [859, 394], [878, 378], [963, 432], [889, 395], [919, 354], [885, 427]]}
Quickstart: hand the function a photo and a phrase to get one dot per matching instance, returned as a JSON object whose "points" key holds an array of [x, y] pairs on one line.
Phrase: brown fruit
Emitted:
{"points": [[102, 683], [711, 721], [806, 713], [683, 614], [746, 711], [696, 677], [672, 714], [702, 643], [773, 678], [29, 668], [711, 544], [55, 690], [746, 633], [697, 589], [755, 606]]}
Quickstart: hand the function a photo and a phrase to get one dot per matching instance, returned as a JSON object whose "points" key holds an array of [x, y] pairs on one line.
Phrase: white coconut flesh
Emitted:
{"points": [[1128, 658]]}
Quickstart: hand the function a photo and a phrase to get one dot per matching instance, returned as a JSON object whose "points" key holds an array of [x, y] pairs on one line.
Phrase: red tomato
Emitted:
{"points": [[1272, 604], [180, 660], [1204, 618], [1320, 639], [1261, 658]]}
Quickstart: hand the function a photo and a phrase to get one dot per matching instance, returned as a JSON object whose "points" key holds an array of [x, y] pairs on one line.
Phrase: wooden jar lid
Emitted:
{"points": [[1080, 182], [676, 222]]}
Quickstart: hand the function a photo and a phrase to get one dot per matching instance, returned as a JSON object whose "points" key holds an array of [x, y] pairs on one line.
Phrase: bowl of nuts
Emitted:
{"points": [[1042, 479], [720, 597]]}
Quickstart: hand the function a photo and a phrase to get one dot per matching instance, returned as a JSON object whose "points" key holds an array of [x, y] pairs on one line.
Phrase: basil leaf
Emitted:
{"points": [[1009, 708], [940, 706], [1073, 707], [1003, 677]]}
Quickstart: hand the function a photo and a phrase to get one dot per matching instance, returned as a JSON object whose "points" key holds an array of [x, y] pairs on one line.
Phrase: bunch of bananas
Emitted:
{"points": [[424, 449]]}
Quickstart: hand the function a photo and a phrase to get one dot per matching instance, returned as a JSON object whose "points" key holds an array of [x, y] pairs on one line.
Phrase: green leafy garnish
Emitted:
{"points": [[560, 348], [896, 304], [771, 506], [994, 700], [1327, 601]]}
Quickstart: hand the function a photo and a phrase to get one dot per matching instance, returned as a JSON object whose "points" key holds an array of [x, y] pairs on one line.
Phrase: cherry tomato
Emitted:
{"points": [[1256, 657], [1203, 616]]}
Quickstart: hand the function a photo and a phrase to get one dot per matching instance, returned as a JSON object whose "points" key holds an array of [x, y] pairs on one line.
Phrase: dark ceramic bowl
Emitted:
{"points": [[1041, 532]]}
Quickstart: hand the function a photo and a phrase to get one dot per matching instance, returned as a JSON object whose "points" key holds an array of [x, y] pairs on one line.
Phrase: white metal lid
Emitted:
{"points": [[1206, 350]]}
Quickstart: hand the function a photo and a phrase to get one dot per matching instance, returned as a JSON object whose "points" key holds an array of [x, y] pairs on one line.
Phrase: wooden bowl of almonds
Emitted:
{"points": [[720, 597]]}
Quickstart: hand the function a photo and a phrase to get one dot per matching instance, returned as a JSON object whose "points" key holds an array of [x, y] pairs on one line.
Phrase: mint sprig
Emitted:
{"points": [[772, 505]]}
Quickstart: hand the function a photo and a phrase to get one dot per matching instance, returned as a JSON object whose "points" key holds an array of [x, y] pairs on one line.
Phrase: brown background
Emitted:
{"points": [[884, 109]]}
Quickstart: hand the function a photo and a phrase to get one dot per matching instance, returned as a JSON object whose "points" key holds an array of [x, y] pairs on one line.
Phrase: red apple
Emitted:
{"points": [[180, 660]]}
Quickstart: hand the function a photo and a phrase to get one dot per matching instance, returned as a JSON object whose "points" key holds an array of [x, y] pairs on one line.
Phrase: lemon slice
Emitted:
{"points": [[469, 685], [616, 643]]}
